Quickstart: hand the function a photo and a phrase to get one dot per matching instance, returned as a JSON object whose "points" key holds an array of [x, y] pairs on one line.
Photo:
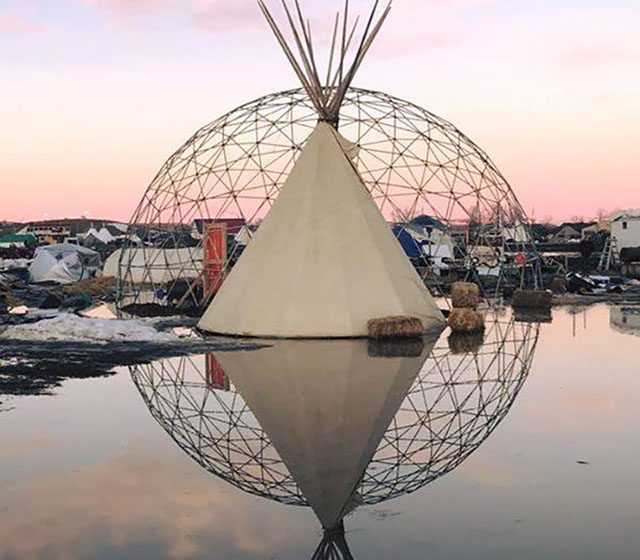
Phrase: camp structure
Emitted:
{"points": [[94, 237], [324, 261], [64, 263], [18, 241], [154, 265], [325, 406]]}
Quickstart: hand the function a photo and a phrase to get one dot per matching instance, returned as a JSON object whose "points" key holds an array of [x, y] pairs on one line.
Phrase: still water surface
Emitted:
{"points": [[521, 445]]}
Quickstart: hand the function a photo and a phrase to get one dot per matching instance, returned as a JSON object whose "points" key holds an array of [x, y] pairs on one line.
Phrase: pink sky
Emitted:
{"points": [[96, 94]]}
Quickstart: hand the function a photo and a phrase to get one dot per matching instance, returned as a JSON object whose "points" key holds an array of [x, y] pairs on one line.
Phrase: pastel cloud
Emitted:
{"points": [[541, 86], [596, 55], [14, 23], [221, 15], [130, 6], [399, 44]]}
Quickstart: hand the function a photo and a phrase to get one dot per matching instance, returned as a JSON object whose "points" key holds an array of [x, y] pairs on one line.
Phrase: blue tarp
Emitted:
{"points": [[409, 244]]}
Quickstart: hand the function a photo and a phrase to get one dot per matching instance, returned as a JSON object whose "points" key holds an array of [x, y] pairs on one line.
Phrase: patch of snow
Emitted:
{"points": [[184, 332], [44, 313], [102, 311], [71, 328], [19, 310]]}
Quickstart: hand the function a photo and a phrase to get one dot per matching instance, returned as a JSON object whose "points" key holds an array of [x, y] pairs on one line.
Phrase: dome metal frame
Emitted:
{"points": [[412, 162]]}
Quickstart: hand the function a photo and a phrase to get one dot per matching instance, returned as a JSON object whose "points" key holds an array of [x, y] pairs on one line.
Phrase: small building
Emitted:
{"points": [[625, 229]]}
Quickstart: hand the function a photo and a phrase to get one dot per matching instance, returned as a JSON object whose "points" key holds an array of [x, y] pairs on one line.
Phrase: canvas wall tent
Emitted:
{"points": [[64, 263], [151, 265], [97, 237]]}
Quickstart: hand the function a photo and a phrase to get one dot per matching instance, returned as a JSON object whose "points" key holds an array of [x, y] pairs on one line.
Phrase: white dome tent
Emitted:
{"points": [[64, 263]]}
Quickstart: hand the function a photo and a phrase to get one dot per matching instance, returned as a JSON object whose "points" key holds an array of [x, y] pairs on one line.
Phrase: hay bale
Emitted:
{"points": [[466, 321], [465, 295], [395, 327], [396, 348], [532, 299], [465, 343]]}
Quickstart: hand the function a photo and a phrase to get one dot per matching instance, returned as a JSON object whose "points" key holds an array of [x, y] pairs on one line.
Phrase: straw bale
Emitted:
{"points": [[465, 295], [395, 327]]}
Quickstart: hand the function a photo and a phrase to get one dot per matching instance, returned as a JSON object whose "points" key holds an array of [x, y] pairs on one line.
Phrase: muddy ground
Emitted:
{"points": [[38, 368]]}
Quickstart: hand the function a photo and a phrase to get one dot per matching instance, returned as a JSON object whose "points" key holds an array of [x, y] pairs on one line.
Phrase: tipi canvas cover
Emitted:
{"points": [[324, 261]]}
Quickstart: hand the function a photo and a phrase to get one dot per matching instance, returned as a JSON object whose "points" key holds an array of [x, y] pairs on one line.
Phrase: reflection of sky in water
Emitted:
{"points": [[90, 474]]}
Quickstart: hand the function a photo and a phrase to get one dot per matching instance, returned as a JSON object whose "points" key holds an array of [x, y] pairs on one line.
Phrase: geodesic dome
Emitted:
{"points": [[464, 390], [455, 207]]}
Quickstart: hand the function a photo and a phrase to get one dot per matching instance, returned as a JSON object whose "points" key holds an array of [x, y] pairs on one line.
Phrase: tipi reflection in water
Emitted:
{"points": [[335, 425]]}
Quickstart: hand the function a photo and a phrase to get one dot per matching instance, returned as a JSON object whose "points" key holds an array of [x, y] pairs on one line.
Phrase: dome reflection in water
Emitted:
{"points": [[336, 425]]}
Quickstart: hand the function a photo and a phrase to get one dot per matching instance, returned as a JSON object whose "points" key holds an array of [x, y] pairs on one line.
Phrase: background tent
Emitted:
{"points": [[63, 263], [152, 265], [18, 240]]}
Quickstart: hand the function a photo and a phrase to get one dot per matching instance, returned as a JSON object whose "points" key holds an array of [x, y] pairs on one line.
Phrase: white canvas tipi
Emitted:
{"points": [[324, 261]]}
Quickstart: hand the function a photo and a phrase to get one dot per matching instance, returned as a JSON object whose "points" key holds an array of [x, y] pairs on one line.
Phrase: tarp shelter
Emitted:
{"points": [[411, 247], [18, 240], [63, 263], [425, 245]]}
